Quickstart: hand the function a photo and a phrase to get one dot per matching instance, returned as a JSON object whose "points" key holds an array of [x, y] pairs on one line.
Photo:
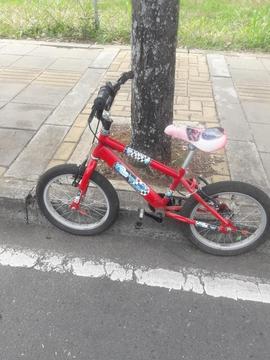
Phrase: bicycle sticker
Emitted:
{"points": [[132, 179], [136, 155], [193, 134]]}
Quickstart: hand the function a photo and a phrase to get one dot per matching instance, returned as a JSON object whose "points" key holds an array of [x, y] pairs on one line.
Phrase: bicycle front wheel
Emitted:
{"points": [[97, 211], [246, 206]]}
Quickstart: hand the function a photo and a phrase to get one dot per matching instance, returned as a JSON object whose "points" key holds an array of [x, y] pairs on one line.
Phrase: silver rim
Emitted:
{"points": [[246, 213], [94, 209]]}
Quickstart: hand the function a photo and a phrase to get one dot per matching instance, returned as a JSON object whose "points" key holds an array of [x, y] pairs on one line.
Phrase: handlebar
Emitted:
{"points": [[106, 95]]}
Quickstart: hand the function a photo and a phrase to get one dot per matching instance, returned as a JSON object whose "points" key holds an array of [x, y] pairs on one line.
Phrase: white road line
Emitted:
{"points": [[231, 286]]}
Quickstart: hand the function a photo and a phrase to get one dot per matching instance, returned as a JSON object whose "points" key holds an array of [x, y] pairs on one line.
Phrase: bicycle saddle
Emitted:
{"points": [[208, 140]]}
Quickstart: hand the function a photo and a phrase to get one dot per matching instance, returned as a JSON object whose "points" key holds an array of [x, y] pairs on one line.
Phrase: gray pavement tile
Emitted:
{"points": [[2, 104], [233, 120], [217, 65], [257, 112], [11, 144], [42, 94], [266, 163], [24, 116], [17, 49], [34, 159], [33, 62], [49, 51], [6, 60], [261, 133], [82, 53], [83, 146], [244, 62], [8, 90], [245, 163], [79, 65], [224, 91], [73, 103], [250, 76], [266, 63], [105, 58]]}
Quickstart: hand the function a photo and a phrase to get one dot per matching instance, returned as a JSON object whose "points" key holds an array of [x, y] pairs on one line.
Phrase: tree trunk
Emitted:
{"points": [[154, 40]]}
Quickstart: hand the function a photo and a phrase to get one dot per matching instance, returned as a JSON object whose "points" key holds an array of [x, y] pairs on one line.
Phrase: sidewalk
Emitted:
{"points": [[44, 101]]}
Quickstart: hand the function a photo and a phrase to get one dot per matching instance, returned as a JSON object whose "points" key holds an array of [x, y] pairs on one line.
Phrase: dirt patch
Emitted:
{"points": [[201, 165]]}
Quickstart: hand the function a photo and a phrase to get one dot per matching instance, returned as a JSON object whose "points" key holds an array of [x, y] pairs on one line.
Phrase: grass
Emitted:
{"points": [[206, 24]]}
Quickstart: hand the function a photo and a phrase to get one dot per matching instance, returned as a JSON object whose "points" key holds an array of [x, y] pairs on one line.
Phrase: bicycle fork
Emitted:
{"points": [[84, 174]]}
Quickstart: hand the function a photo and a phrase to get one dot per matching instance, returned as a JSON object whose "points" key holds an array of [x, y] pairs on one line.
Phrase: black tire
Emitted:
{"points": [[250, 193], [100, 186]]}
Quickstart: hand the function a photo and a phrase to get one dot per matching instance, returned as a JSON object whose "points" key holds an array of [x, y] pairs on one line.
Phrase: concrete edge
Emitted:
{"points": [[14, 194], [67, 44], [18, 209]]}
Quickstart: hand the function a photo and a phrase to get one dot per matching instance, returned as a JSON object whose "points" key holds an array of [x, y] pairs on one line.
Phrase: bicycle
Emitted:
{"points": [[223, 218]]}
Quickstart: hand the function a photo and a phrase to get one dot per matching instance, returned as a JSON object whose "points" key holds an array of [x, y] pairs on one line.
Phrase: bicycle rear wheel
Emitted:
{"points": [[98, 209], [247, 207]]}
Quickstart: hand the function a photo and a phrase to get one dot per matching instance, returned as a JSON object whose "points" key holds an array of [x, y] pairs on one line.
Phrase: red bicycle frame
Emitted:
{"points": [[103, 151]]}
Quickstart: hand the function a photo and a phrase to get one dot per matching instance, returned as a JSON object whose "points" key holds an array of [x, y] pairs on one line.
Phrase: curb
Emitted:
{"points": [[17, 199], [22, 207]]}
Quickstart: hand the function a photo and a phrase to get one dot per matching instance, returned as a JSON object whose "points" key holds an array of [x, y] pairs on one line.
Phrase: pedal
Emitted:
{"points": [[139, 222], [157, 217]]}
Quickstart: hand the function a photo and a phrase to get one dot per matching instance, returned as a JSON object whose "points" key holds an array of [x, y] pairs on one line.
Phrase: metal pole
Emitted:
{"points": [[96, 17]]}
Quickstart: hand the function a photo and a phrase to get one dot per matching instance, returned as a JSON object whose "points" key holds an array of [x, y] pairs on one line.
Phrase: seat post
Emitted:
{"points": [[189, 157]]}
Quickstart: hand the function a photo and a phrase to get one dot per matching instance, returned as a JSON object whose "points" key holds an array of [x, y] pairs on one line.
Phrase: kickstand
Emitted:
{"points": [[139, 222]]}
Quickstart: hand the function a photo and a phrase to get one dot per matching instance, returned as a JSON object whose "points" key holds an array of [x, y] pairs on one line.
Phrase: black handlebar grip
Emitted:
{"points": [[103, 95]]}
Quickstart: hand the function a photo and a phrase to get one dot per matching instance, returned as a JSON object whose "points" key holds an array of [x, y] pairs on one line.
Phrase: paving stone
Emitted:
{"points": [[217, 178], [2, 170], [58, 78], [81, 120], [42, 94], [209, 112], [83, 147], [24, 116], [253, 76], [245, 163], [195, 105], [55, 163], [266, 63], [2, 104], [49, 51], [11, 144], [74, 134], [12, 75], [64, 151], [79, 65], [105, 58], [257, 112], [34, 159], [266, 164], [82, 53], [217, 65], [73, 103], [17, 49], [8, 90], [261, 134], [6, 60], [224, 91], [33, 62], [244, 62], [234, 122], [221, 168]]}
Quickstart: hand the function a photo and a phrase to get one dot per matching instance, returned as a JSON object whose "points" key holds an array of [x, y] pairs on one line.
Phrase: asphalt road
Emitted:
{"points": [[49, 315]]}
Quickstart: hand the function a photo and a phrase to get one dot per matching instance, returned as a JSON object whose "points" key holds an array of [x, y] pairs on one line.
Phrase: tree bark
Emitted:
{"points": [[154, 40]]}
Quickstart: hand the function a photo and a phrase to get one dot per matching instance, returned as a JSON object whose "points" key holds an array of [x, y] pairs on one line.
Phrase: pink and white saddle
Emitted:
{"points": [[208, 140]]}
